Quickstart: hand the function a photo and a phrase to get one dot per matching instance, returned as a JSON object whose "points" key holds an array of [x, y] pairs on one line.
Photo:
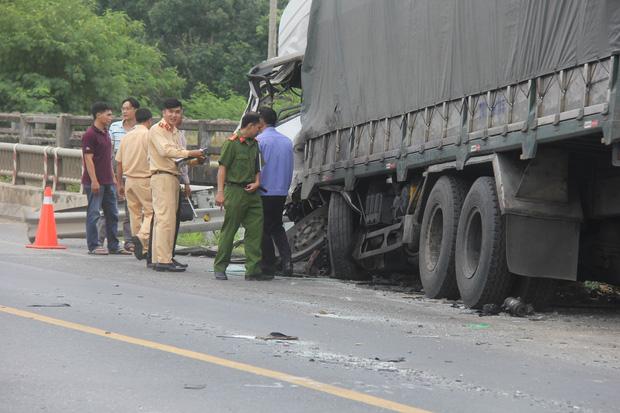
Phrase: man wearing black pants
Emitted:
{"points": [[275, 177]]}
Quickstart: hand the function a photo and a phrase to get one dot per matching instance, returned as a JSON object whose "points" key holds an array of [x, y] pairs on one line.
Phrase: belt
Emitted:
{"points": [[164, 172], [238, 183], [261, 188]]}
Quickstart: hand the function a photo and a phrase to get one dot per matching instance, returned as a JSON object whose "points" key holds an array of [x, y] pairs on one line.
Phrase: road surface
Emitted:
{"points": [[84, 333]]}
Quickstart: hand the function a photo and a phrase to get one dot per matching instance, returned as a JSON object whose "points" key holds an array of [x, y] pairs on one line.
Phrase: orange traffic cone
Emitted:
{"points": [[46, 232]]}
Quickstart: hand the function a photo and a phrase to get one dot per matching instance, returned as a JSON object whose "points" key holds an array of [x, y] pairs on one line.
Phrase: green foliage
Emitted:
{"points": [[214, 42], [204, 104], [191, 239], [61, 55], [58, 55], [210, 42], [201, 239]]}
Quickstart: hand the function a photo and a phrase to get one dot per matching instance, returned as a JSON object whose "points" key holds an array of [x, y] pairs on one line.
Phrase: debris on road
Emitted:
{"points": [[490, 309], [478, 326], [50, 305], [517, 308], [245, 337], [194, 386], [391, 360], [278, 336]]}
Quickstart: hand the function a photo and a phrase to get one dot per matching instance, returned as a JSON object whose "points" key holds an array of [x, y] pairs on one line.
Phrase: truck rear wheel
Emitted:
{"points": [[481, 271], [438, 237], [340, 238]]}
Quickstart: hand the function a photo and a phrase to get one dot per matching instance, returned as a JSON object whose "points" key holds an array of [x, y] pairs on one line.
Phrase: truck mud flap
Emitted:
{"points": [[538, 247], [543, 214]]}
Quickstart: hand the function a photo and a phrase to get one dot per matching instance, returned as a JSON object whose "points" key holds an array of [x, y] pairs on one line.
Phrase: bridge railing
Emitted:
{"points": [[65, 130], [39, 150], [36, 165]]}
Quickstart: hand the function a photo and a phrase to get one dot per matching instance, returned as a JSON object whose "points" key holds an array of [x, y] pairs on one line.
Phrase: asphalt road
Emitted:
{"points": [[81, 333]]}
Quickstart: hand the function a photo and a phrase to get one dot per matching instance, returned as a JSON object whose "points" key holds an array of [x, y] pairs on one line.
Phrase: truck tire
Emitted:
{"points": [[481, 271], [438, 237], [340, 231], [536, 291]]}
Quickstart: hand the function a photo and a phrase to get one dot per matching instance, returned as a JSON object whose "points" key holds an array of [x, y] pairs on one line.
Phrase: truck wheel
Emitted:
{"points": [[535, 291], [481, 271], [340, 232], [438, 236]]}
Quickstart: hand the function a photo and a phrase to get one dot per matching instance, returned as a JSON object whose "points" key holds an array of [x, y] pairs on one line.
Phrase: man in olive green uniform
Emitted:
{"points": [[237, 185], [163, 149]]}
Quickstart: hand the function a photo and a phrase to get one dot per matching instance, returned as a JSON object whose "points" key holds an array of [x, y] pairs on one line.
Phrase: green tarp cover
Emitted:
{"points": [[370, 59]]}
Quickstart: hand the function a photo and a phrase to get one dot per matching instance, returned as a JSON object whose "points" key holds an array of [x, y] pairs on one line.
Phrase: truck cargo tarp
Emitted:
{"points": [[371, 59]]}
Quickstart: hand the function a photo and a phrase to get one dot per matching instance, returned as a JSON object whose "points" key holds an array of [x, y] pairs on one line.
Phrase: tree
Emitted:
{"points": [[204, 104], [59, 55], [210, 42]]}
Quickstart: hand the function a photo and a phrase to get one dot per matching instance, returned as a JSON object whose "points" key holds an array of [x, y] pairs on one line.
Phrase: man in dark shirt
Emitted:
{"points": [[99, 182]]}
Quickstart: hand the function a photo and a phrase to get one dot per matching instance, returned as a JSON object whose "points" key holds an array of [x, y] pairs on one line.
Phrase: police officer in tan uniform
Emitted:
{"points": [[132, 162], [164, 148]]}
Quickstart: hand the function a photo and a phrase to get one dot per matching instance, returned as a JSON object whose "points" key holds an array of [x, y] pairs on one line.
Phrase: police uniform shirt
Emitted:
{"points": [[164, 148], [240, 156], [132, 153]]}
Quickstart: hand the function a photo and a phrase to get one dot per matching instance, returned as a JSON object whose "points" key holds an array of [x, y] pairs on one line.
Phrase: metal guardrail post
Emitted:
{"points": [[44, 168], [14, 180]]}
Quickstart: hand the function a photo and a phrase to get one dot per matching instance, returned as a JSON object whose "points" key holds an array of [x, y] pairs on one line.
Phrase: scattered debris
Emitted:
{"points": [[391, 360], [489, 310], [478, 326], [50, 305], [237, 336], [517, 308], [194, 386], [588, 294], [278, 336]]}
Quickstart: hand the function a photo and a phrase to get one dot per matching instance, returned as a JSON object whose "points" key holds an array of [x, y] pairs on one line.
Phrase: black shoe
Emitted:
{"points": [[287, 268], [220, 276], [268, 269], [168, 268], [138, 252], [259, 277], [178, 264]]}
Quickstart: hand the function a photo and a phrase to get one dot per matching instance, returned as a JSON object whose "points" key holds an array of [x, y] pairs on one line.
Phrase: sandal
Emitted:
{"points": [[120, 251], [99, 251], [130, 246]]}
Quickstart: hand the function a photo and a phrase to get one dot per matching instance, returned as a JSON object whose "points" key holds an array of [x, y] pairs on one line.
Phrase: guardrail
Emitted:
{"points": [[40, 165], [66, 130], [72, 224]]}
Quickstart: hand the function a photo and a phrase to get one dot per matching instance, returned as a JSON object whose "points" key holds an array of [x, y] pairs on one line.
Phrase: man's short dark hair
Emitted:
{"points": [[172, 103], [249, 118], [143, 114], [99, 107], [132, 101], [268, 115]]}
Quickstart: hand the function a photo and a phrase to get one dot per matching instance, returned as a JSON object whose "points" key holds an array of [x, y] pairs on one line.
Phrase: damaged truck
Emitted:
{"points": [[472, 143]]}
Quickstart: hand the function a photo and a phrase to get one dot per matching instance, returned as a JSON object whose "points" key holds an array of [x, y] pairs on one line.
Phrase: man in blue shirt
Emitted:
{"points": [[275, 177]]}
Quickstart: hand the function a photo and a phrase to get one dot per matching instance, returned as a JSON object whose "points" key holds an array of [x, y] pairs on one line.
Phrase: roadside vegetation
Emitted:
{"points": [[61, 55]]}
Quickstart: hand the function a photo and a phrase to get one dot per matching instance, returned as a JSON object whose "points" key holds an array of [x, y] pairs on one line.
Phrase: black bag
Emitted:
{"points": [[186, 213]]}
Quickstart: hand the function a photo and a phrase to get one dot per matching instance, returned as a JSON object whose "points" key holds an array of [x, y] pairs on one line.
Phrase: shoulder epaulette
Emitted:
{"points": [[165, 125]]}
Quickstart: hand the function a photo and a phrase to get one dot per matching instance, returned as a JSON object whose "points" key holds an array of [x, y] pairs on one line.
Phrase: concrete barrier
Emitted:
{"points": [[17, 200]]}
